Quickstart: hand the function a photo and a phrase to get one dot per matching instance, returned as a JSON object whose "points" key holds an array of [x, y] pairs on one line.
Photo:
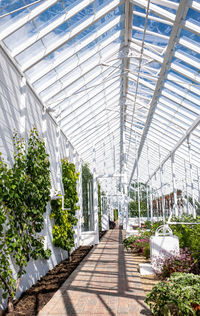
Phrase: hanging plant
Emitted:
{"points": [[25, 192], [64, 218]]}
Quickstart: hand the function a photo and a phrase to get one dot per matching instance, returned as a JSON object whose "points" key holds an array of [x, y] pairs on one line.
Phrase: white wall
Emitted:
{"points": [[10, 120]]}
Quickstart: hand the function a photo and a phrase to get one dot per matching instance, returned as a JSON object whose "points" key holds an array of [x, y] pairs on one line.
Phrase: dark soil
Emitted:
{"points": [[35, 298]]}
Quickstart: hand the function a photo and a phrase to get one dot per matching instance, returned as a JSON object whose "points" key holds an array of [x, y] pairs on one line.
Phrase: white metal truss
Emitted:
{"points": [[127, 75]]}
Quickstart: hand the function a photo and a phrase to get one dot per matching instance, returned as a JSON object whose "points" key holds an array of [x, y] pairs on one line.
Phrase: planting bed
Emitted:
{"points": [[35, 298]]}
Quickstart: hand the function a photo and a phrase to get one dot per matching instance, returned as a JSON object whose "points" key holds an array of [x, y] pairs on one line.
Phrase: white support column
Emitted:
{"points": [[151, 202], [138, 192], [58, 162], [191, 175], [95, 199], [44, 126], [147, 198], [47, 223], [198, 176], [79, 190], [157, 204], [175, 207], [186, 186], [104, 214], [161, 187], [67, 149], [23, 107], [114, 163], [150, 187]]}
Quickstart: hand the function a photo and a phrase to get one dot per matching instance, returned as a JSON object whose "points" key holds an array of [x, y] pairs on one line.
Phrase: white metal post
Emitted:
{"points": [[95, 199], [186, 186], [58, 161], [138, 191], [147, 197], [80, 197], [161, 186], [175, 207], [150, 187], [67, 149], [191, 176], [198, 184], [23, 107], [151, 202]]}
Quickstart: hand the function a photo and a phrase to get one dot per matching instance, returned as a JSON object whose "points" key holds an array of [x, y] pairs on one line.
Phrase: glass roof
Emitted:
{"points": [[120, 76]]}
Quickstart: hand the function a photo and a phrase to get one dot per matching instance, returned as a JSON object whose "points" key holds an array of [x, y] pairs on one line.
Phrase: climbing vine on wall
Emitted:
{"points": [[24, 194], [64, 218]]}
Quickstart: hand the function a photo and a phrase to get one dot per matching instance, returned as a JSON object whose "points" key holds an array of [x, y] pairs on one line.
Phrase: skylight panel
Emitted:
{"points": [[15, 10]]}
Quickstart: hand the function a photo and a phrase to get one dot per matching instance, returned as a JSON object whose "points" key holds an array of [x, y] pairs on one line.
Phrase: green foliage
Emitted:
{"points": [[127, 242], [189, 235], [170, 263], [180, 295], [65, 219], [138, 243], [115, 214], [133, 209], [24, 192], [87, 178]]}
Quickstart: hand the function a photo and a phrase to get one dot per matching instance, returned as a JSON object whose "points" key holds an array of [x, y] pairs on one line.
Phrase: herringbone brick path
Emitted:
{"points": [[105, 283]]}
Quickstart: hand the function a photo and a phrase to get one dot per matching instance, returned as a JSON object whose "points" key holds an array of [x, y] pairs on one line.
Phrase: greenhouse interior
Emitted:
{"points": [[99, 157]]}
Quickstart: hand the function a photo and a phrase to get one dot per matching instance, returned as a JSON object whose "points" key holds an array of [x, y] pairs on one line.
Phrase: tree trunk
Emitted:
{"points": [[10, 307]]}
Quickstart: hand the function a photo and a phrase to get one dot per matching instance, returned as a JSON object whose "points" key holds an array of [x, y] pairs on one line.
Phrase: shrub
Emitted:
{"points": [[141, 246], [138, 243], [65, 218], [189, 235], [168, 264], [180, 295], [127, 242]]}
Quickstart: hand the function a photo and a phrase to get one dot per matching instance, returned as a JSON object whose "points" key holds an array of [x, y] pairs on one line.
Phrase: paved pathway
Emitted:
{"points": [[105, 283]]}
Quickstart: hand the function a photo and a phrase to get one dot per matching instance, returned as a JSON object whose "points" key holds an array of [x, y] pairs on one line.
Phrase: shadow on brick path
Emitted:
{"points": [[105, 283]]}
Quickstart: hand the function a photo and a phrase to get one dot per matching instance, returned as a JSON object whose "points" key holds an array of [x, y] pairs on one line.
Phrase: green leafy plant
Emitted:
{"points": [[127, 242], [87, 178], [180, 295], [133, 209], [170, 263], [115, 214], [189, 235], [25, 192], [64, 218]]}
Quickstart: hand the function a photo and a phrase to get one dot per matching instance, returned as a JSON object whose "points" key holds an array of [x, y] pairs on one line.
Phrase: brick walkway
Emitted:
{"points": [[105, 283]]}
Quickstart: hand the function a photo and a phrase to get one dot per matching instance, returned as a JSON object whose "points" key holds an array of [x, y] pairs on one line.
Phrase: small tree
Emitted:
{"points": [[65, 219], [25, 192]]}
